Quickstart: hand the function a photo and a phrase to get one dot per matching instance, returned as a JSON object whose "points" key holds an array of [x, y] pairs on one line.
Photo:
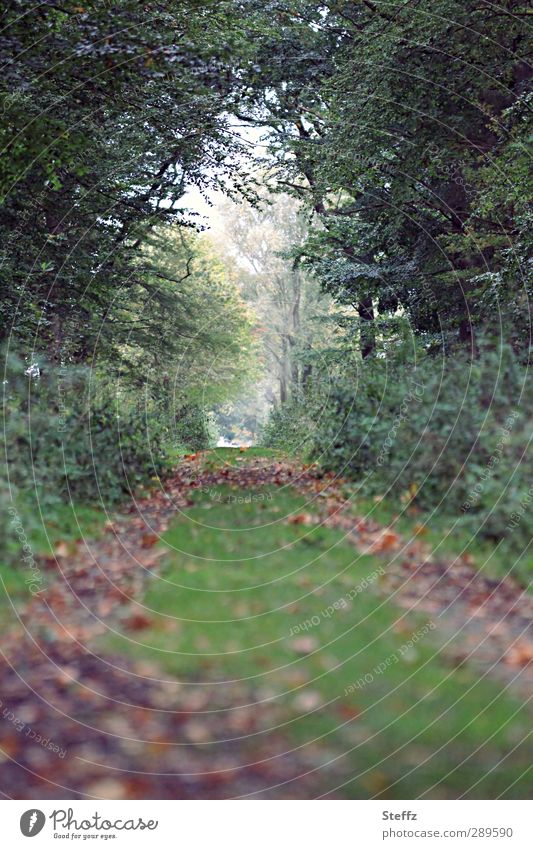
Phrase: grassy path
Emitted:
{"points": [[244, 633]]}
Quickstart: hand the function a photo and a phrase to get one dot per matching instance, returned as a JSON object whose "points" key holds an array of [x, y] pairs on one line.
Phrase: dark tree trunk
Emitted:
{"points": [[307, 370], [365, 309], [467, 336]]}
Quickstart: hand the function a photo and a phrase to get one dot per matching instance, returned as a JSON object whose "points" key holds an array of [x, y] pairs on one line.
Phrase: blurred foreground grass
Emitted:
{"points": [[295, 613]]}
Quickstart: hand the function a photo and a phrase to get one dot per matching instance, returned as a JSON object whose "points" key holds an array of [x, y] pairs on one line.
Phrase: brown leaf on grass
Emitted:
{"points": [[348, 712], [301, 519], [149, 539], [307, 701], [151, 559], [521, 654], [386, 541], [62, 550], [304, 645], [377, 782], [137, 621]]}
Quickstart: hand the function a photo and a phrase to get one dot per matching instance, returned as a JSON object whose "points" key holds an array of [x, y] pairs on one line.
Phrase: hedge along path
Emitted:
{"points": [[85, 725]]}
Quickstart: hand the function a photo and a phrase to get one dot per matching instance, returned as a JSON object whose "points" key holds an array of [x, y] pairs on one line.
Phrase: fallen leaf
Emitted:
{"points": [[521, 654], [107, 788], [386, 541], [304, 645], [137, 621], [148, 540], [307, 700], [197, 732], [301, 519], [348, 711]]}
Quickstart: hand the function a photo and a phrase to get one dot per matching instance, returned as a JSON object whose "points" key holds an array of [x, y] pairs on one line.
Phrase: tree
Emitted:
{"points": [[406, 130], [190, 336], [287, 301], [109, 112]]}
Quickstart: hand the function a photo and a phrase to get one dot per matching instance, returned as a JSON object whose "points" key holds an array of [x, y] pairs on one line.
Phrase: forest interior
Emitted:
{"points": [[265, 272]]}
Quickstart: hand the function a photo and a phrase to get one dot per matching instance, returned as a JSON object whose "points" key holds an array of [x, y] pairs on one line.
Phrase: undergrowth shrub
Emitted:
{"points": [[71, 434], [289, 427], [450, 434], [195, 428]]}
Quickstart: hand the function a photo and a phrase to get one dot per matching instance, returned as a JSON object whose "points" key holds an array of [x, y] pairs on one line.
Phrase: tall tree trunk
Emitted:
{"points": [[295, 322], [365, 309], [285, 370], [56, 341], [306, 375], [467, 336]]}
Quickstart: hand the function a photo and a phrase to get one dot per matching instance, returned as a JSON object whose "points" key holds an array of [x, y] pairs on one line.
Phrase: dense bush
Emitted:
{"points": [[195, 428], [290, 426], [450, 434], [74, 435]]}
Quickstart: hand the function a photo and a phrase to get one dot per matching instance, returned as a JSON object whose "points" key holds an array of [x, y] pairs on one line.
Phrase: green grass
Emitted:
{"points": [[45, 524], [217, 457], [236, 584]]}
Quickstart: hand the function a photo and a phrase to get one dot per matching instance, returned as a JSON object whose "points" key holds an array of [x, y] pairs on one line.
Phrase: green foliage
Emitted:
{"points": [[447, 435], [109, 112], [32, 523], [71, 434], [406, 134], [288, 427], [195, 428], [406, 130]]}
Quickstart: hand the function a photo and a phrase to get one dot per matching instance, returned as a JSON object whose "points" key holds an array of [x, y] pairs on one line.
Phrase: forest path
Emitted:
{"points": [[108, 693]]}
